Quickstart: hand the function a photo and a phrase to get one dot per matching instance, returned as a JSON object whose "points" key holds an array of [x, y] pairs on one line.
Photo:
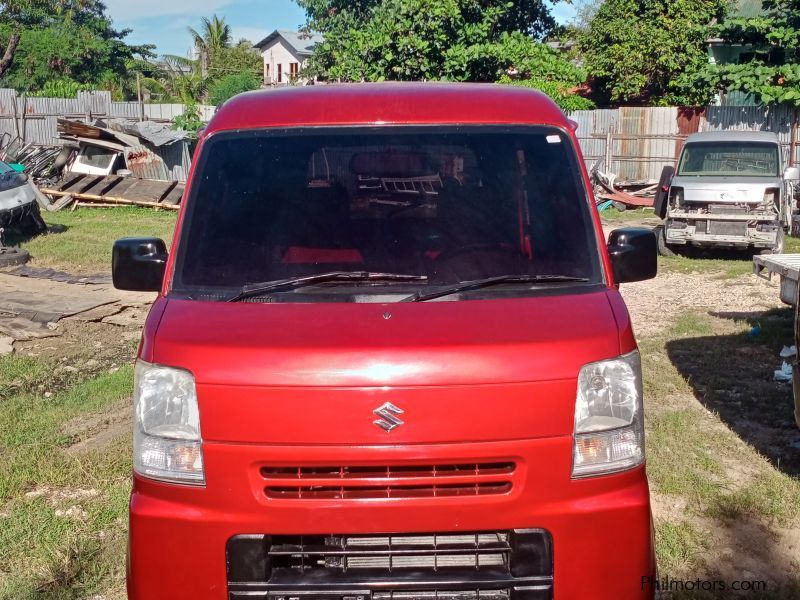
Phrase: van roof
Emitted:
{"points": [[734, 136], [387, 103]]}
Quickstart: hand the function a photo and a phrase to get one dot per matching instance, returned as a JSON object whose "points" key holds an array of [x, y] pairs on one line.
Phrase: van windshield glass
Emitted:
{"points": [[725, 159], [429, 208]]}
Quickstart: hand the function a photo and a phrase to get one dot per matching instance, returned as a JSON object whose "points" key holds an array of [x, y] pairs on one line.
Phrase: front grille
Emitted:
{"points": [[391, 553], [726, 209], [488, 565], [733, 228], [387, 481]]}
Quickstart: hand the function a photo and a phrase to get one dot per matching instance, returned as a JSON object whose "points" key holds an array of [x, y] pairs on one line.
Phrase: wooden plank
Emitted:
{"points": [[71, 181], [124, 191], [102, 185], [175, 196], [146, 190], [167, 191], [88, 184]]}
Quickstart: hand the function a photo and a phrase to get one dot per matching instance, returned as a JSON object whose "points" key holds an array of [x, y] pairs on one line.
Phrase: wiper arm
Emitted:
{"points": [[259, 289], [466, 286]]}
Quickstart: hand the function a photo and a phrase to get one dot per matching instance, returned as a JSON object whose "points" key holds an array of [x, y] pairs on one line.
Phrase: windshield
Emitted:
{"points": [[446, 205], [724, 159]]}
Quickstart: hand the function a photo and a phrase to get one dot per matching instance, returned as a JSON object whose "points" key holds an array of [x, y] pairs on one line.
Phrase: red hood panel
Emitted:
{"points": [[355, 345], [458, 371]]}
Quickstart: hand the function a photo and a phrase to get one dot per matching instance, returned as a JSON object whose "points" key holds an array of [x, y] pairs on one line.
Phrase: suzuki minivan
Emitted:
{"points": [[389, 359]]}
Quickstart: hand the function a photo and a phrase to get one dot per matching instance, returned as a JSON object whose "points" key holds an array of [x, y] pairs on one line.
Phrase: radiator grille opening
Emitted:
{"points": [[443, 595], [478, 551], [391, 481]]}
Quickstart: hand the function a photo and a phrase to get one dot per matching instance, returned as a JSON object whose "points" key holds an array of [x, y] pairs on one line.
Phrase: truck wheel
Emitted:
{"points": [[780, 243], [661, 240], [11, 257]]}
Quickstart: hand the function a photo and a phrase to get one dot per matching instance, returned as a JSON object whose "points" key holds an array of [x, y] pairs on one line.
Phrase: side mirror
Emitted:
{"points": [[662, 192], [791, 173], [138, 264], [634, 254]]}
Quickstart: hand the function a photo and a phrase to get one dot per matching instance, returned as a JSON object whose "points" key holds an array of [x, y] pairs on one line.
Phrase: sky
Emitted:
{"points": [[164, 22]]}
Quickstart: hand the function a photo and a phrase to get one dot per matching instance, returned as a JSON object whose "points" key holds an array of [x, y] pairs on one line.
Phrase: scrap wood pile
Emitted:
{"points": [[145, 180], [114, 190], [607, 192], [105, 163]]}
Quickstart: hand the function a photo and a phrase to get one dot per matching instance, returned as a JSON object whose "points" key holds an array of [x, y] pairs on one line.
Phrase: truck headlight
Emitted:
{"points": [[609, 423], [167, 445], [771, 197], [676, 195]]}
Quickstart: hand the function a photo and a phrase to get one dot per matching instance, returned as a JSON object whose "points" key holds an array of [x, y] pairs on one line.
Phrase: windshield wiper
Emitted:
{"points": [[259, 289], [466, 286]]}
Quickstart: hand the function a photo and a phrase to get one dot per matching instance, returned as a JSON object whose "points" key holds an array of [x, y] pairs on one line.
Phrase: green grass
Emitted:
{"points": [[728, 264], [81, 241], [62, 515], [679, 546], [612, 215], [690, 448]]}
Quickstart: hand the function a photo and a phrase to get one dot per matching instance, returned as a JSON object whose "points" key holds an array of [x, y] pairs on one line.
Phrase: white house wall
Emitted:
{"points": [[279, 54]]}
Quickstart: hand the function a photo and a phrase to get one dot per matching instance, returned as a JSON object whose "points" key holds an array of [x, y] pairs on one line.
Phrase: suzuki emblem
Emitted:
{"points": [[388, 416]]}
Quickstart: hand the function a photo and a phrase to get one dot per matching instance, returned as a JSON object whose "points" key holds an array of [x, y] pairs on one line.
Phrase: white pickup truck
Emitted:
{"points": [[730, 190]]}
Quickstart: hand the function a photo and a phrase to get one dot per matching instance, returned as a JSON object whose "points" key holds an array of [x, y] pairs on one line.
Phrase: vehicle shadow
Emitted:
{"points": [[731, 254], [14, 235], [732, 375]]}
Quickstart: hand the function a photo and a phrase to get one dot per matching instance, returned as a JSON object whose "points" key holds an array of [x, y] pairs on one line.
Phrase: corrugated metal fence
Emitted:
{"points": [[637, 142], [35, 119]]}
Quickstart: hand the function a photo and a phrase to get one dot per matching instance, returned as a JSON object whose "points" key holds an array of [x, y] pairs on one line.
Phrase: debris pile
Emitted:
{"points": [[103, 163], [607, 193], [785, 372]]}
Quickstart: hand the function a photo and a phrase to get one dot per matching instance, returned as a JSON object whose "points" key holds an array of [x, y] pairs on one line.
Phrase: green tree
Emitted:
{"points": [[76, 42], [239, 58], [229, 86], [772, 73], [649, 51], [455, 40]]}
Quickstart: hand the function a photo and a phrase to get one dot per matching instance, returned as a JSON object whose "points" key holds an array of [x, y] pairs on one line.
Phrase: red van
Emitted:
{"points": [[389, 359]]}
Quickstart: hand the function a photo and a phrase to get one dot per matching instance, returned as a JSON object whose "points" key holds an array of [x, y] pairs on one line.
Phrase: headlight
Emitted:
{"points": [[676, 195], [166, 443], [609, 426], [771, 196]]}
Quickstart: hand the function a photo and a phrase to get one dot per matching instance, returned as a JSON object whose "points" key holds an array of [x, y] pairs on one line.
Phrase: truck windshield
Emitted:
{"points": [[431, 207], [724, 159]]}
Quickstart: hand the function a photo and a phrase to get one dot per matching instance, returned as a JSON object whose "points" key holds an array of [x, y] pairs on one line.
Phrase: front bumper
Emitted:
{"points": [[12, 216], [722, 229], [601, 528]]}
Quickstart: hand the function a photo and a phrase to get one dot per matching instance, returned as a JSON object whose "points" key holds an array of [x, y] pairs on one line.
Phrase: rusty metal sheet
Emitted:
{"points": [[146, 164]]}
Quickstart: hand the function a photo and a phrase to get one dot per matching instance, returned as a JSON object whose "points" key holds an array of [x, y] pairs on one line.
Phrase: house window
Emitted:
{"points": [[280, 73], [266, 72], [294, 69]]}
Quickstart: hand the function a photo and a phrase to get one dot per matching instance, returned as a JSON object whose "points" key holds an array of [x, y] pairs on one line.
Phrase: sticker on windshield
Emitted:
{"points": [[553, 139]]}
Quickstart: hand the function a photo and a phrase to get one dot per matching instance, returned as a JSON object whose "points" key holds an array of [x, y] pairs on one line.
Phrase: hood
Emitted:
{"points": [[447, 371], [433, 343], [723, 190]]}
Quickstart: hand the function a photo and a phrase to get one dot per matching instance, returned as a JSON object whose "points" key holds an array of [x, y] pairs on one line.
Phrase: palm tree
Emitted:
{"points": [[215, 34]]}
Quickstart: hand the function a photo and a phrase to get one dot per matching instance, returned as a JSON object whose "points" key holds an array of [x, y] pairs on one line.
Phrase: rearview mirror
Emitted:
{"points": [[634, 254], [139, 264], [791, 173]]}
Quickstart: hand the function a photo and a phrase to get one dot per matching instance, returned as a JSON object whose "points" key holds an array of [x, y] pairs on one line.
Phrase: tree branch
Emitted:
{"points": [[11, 50]]}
